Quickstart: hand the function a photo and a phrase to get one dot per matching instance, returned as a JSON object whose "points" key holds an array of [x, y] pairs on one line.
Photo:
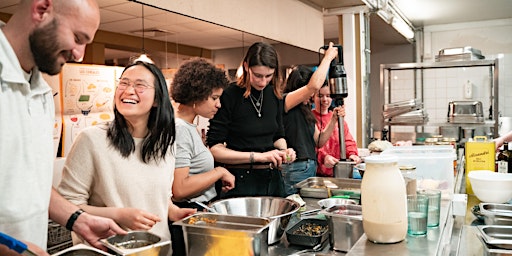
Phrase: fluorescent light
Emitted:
{"points": [[402, 27], [386, 15]]}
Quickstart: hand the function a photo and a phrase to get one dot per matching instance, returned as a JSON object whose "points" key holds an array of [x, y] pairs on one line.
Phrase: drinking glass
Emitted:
{"points": [[417, 210], [434, 205]]}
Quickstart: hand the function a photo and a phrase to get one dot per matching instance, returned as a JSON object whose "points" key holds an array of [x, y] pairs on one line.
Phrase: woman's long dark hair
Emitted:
{"points": [[261, 54], [161, 124], [299, 77]]}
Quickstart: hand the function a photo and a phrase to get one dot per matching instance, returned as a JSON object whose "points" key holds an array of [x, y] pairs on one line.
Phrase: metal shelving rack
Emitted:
{"points": [[386, 69]]}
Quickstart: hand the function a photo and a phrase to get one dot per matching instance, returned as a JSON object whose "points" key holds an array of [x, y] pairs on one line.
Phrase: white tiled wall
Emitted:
{"points": [[442, 85]]}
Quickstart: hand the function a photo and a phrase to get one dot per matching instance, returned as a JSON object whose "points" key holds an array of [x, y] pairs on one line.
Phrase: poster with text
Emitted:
{"points": [[87, 96]]}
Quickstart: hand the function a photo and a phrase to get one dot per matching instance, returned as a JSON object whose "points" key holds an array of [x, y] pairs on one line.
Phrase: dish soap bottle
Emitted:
{"points": [[384, 200]]}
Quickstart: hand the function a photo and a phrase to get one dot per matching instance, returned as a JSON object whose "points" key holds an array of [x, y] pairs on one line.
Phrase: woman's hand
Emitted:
{"points": [[276, 157], [330, 161], [331, 52], [228, 179], [355, 158], [290, 156], [136, 219], [338, 111], [176, 213]]}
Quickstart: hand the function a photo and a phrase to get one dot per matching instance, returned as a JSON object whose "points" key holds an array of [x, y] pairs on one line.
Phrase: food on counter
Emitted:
{"points": [[195, 219], [379, 145], [311, 229]]}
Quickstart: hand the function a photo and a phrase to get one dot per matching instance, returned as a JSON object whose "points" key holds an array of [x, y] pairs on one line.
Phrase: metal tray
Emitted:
{"points": [[496, 214], [401, 107], [308, 240], [321, 187], [137, 243], [490, 250], [225, 234], [496, 235], [82, 250]]}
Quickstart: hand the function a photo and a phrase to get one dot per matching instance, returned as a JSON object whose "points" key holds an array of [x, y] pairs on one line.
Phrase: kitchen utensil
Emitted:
{"points": [[465, 112], [279, 210], [15, 245], [317, 187], [316, 248], [205, 207], [225, 234]]}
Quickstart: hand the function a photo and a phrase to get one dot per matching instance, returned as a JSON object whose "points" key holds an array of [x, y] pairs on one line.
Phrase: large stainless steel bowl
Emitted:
{"points": [[278, 209]]}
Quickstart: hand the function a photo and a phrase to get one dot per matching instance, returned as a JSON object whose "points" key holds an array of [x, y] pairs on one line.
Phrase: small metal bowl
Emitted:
{"points": [[137, 243], [330, 202]]}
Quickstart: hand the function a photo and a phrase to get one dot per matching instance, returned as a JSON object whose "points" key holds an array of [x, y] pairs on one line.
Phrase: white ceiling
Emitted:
{"points": [[123, 16]]}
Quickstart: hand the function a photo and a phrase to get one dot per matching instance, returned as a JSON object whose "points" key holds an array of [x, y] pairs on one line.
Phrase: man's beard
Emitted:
{"points": [[44, 45]]}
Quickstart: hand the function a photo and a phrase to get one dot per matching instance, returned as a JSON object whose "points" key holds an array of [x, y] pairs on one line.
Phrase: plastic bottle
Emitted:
{"points": [[383, 200]]}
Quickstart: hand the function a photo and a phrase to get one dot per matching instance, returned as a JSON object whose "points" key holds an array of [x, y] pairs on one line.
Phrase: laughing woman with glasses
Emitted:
{"points": [[124, 169], [246, 136]]}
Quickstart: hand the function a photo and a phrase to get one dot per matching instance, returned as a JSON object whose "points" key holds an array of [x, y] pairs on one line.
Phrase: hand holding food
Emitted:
{"points": [[136, 219]]}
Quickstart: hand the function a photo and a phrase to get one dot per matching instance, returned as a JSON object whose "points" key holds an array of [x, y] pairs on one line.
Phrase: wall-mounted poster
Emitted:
{"points": [[87, 93], [53, 81]]}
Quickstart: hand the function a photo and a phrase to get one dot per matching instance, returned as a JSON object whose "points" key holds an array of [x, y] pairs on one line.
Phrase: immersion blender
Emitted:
{"points": [[338, 87]]}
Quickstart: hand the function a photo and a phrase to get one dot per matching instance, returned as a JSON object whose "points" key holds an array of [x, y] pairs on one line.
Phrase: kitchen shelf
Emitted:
{"points": [[386, 80]]}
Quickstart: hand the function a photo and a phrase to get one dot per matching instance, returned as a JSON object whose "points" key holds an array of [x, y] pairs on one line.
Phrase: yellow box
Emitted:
{"points": [[479, 155]]}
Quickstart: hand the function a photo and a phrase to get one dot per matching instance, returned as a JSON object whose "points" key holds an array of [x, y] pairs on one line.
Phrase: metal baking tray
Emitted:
{"points": [[496, 214], [323, 187], [497, 235], [401, 107], [491, 250]]}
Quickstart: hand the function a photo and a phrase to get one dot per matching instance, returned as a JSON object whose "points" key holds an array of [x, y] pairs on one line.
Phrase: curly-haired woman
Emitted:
{"points": [[197, 87]]}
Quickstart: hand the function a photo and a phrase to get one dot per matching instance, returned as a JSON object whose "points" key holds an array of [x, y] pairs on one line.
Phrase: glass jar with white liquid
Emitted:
{"points": [[383, 200]]}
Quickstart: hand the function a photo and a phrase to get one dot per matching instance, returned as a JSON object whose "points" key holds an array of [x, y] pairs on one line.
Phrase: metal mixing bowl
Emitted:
{"points": [[278, 209]]}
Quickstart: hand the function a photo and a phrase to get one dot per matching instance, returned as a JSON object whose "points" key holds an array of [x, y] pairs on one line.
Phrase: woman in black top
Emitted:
{"points": [[247, 134], [299, 122]]}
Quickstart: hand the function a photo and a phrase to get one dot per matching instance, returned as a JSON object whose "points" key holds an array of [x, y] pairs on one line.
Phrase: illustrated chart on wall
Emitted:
{"points": [[87, 98]]}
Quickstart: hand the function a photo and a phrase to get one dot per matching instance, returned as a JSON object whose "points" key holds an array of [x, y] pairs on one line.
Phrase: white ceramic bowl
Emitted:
{"points": [[491, 187]]}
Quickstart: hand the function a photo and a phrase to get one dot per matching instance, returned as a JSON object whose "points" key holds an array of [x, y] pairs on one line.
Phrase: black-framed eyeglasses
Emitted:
{"points": [[138, 85]]}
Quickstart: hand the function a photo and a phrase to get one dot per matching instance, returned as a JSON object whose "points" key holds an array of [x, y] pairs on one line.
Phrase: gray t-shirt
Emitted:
{"points": [[192, 153]]}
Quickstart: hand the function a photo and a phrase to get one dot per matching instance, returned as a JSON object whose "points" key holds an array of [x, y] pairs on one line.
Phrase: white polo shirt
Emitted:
{"points": [[27, 116]]}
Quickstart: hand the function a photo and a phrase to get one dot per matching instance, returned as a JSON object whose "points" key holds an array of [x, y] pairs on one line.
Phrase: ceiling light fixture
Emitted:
{"points": [[143, 56], [400, 23], [392, 15], [240, 70]]}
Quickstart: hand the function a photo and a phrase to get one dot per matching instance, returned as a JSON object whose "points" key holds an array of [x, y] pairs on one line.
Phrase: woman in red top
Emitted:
{"points": [[329, 154]]}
